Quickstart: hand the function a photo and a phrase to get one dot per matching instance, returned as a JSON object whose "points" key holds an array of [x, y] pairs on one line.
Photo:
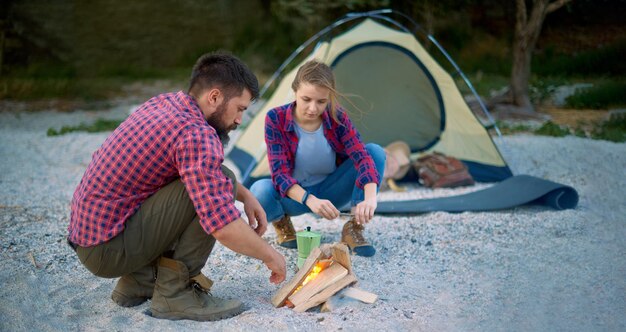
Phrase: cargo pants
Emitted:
{"points": [[165, 223]]}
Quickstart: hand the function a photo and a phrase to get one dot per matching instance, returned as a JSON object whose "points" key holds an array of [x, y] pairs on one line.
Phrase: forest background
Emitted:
{"points": [[71, 53]]}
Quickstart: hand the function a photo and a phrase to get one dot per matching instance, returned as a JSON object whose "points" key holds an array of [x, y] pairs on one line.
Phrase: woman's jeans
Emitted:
{"points": [[339, 188]]}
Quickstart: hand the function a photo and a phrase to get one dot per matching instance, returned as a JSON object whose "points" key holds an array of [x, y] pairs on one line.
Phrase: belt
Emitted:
{"points": [[72, 244]]}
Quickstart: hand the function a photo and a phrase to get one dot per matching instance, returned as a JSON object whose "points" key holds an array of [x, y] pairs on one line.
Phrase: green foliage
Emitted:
{"points": [[44, 70], [484, 83], [552, 129], [506, 128], [129, 72], [605, 61], [46, 88], [613, 129], [600, 96], [542, 88], [98, 126]]}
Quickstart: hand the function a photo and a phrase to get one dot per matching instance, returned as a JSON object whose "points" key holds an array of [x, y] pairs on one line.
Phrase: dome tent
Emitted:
{"points": [[400, 93]]}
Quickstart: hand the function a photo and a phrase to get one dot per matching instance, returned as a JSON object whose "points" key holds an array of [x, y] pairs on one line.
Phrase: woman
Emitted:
{"points": [[318, 162]]}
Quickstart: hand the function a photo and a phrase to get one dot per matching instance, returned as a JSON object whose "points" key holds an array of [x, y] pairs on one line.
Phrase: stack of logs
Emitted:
{"points": [[327, 270]]}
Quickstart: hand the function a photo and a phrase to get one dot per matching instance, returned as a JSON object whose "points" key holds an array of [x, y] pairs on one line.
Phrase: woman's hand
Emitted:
{"points": [[322, 207], [364, 211]]}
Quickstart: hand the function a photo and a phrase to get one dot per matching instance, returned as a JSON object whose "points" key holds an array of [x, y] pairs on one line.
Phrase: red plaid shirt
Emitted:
{"points": [[282, 143], [165, 139]]}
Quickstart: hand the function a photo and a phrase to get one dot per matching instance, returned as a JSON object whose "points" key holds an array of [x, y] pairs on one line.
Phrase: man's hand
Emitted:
{"points": [[322, 207], [239, 237], [277, 265], [255, 213]]}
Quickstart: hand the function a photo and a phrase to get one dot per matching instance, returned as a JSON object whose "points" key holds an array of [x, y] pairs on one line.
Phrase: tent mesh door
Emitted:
{"points": [[396, 97]]}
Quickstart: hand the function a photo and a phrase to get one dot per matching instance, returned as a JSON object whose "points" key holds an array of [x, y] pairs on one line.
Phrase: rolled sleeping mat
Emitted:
{"points": [[514, 191]]}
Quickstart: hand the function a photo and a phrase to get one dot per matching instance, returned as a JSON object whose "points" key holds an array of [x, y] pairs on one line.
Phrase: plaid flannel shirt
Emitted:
{"points": [[282, 143], [165, 139]]}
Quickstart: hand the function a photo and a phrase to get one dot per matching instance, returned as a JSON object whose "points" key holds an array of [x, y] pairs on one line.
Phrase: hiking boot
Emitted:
{"points": [[135, 288], [176, 296], [352, 235], [285, 233]]}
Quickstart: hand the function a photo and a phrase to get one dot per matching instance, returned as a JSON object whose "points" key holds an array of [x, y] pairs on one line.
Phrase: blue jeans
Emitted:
{"points": [[339, 188]]}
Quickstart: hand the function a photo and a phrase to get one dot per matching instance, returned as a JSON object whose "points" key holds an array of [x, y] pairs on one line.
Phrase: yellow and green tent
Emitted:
{"points": [[397, 92]]}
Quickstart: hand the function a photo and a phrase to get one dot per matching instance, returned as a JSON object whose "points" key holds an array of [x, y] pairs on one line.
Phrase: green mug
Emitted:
{"points": [[306, 241]]}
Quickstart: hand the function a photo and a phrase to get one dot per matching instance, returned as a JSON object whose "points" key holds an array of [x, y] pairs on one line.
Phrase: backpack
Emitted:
{"points": [[437, 170]]}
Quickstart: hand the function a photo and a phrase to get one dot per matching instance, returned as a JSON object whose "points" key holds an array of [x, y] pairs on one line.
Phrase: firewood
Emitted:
{"points": [[324, 263], [326, 293], [326, 249], [278, 300], [324, 279], [341, 254], [359, 294], [327, 306]]}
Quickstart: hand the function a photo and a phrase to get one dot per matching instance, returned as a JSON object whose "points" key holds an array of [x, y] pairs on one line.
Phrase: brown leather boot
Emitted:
{"points": [[176, 296], [135, 288], [285, 233], [352, 235]]}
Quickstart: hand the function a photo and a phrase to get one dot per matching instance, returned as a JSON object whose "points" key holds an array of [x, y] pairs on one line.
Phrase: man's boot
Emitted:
{"points": [[135, 288], [176, 296], [352, 235], [285, 233]]}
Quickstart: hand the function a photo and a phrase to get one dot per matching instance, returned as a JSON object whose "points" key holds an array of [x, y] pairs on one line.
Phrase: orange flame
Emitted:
{"points": [[314, 272]]}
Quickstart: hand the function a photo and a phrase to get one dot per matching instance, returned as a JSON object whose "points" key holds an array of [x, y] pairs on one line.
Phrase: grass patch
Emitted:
{"points": [[99, 126], [507, 129], [613, 130], [552, 129], [600, 96], [57, 81]]}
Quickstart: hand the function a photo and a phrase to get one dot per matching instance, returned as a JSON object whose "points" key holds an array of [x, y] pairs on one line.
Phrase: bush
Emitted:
{"points": [[606, 61], [600, 96]]}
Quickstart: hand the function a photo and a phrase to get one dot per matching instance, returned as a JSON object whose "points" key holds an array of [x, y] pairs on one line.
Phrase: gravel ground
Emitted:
{"points": [[528, 268]]}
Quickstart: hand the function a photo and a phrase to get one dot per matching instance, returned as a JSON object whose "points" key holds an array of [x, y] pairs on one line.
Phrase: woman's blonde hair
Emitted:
{"points": [[319, 74]]}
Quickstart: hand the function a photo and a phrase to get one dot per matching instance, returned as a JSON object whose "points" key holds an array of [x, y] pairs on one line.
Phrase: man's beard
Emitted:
{"points": [[216, 121]]}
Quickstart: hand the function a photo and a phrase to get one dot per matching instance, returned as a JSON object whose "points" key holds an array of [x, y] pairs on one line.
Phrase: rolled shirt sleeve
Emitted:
{"points": [[199, 156]]}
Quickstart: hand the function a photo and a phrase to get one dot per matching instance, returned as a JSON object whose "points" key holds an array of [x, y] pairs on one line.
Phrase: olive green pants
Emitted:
{"points": [[165, 222]]}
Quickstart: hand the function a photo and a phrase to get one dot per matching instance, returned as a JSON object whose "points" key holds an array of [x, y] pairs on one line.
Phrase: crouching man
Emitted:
{"points": [[155, 198]]}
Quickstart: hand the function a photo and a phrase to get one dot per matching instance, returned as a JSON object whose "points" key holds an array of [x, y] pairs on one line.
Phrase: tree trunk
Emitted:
{"points": [[527, 30]]}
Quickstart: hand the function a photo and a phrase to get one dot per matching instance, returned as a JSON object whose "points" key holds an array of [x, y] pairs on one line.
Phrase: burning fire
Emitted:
{"points": [[321, 265]]}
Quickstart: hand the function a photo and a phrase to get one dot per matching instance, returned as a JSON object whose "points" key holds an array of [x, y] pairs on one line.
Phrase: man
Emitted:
{"points": [[155, 197]]}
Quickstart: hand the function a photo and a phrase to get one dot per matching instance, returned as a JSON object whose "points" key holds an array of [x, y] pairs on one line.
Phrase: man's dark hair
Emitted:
{"points": [[224, 71]]}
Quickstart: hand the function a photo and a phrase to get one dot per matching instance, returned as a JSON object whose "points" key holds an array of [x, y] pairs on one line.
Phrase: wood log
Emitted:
{"points": [[323, 280], [359, 294], [326, 249], [327, 306], [324, 263], [341, 254], [278, 300], [326, 293]]}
